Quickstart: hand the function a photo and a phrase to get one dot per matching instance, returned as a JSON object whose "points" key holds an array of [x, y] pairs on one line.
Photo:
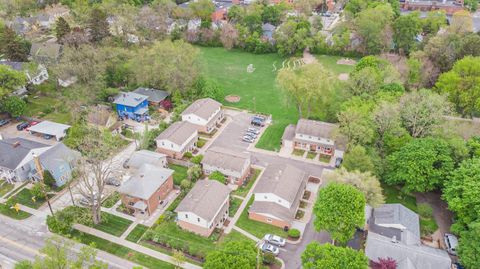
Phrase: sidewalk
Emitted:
{"points": [[133, 246], [247, 234], [243, 205]]}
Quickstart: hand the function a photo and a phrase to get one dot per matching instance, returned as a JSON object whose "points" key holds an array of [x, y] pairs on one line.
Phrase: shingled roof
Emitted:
{"points": [[281, 180], [315, 128], [146, 181], [225, 158], [202, 108], [14, 150], [178, 132]]}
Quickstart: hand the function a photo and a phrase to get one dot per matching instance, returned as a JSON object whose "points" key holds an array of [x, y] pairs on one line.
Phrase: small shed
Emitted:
{"points": [[50, 128]]}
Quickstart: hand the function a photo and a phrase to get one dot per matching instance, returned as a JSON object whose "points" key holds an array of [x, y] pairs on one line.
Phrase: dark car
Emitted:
{"points": [[22, 126], [257, 122], [338, 162], [113, 182], [4, 122]]}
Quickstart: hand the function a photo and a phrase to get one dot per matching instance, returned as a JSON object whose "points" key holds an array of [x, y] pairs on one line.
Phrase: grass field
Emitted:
{"points": [[24, 197], [5, 187], [258, 90], [179, 174], [112, 224], [137, 233], [243, 190], [7, 211]]}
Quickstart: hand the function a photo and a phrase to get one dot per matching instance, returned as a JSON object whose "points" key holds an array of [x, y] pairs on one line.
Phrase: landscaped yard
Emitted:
{"points": [[112, 224], [258, 229], [25, 197], [201, 142], [324, 158], [311, 155], [298, 152], [258, 90], [243, 190], [9, 212], [179, 174], [137, 233], [234, 205], [5, 187]]}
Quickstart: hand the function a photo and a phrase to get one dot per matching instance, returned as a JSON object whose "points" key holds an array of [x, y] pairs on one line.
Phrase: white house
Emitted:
{"points": [[311, 135], [205, 113], [177, 139], [204, 208], [234, 165]]}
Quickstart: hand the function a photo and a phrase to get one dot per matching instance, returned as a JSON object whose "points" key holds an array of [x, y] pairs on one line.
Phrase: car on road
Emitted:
{"points": [[275, 240], [338, 162], [21, 126], [113, 182], [248, 139], [451, 242], [4, 122], [266, 247]]}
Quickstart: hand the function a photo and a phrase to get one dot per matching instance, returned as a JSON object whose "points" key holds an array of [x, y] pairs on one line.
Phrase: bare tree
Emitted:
{"points": [[229, 36]]}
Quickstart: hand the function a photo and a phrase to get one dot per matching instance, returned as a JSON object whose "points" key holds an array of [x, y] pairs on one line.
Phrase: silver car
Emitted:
{"points": [[266, 247], [451, 243], [275, 240]]}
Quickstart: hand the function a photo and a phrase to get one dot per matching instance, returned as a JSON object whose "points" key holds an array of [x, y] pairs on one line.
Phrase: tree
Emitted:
{"points": [[14, 105], [373, 26], [339, 210], [229, 36], [167, 65], [367, 183], [328, 256], [10, 80], [98, 25], [365, 82], [468, 247], [462, 191], [356, 123], [421, 165], [202, 9], [62, 28], [14, 48], [306, 87], [406, 28], [386, 118], [235, 255], [421, 111], [39, 190], [292, 37], [194, 172], [434, 21], [461, 22], [462, 84], [179, 258], [384, 263], [358, 159]]}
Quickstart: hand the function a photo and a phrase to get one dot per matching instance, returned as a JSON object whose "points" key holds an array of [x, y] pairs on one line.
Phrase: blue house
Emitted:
{"points": [[132, 105]]}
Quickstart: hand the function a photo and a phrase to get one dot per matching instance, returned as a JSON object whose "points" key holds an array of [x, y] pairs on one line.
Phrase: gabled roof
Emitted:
{"points": [[178, 132], [50, 127], [396, 214], [130, 99], [204, 199], [315, 128], [141, 157], [281, 180], [273, 209], [146, 181], [14, 150], [225, 158], [154, 95], [58, 155], [203, 108]]}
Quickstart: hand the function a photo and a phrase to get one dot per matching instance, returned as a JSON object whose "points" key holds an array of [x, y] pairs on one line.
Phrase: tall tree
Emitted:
{"points": [[468, 247], [98, 25], [235, 255], [10, 80], [386, 118], [339, 210], [355, 122], [293, 37], [14, 48], [373, 25], [62, 28], [357, 158], [406, 28], [421, 165], [14, 105], [202, 9], [327, 256], [462, 84]]}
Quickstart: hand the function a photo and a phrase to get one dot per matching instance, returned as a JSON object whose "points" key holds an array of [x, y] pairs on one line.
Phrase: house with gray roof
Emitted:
{"points": [[177, 139], [205, 113], [277, 195], [146, 189], [204, 208], [154, 96], [132, 105], [36, 74], [394, 231], [234, 165], [17, 160], [141, 157], [311, 135]]}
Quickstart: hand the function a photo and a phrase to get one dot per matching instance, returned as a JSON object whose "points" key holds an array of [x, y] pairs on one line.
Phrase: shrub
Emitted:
{"points": [[185, 184], [425, 210], [294, 233], [49, 180], [201, 143], [197, 159], [268, 258], [188, 155], [217, 176]]}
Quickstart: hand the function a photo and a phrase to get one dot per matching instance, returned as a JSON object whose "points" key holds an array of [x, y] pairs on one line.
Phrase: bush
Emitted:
{"points": [[62, 222], [185, 184], [197, 159], [425, 210], [49, 180], [188, 155], [268, 258], [217, 176], [294, 233], [201, 143]]}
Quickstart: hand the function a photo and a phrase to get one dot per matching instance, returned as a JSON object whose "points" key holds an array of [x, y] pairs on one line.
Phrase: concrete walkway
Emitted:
{"points": [[35, 212], [247, 234], [133, 246], [129, 230], [243, 205]]}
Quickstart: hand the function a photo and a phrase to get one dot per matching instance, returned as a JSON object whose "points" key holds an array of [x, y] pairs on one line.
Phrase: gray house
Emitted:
{"points": [[154, 96], [17, 160], [394, 232]]}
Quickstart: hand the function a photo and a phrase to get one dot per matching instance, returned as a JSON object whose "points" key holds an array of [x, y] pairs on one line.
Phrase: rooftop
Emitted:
{"points": [[14, 150], [130, 99], [203, 108], [178, 132], [284, 181], [225, 158], [153, 95], [50, 128], [315, 128], [146, 181], [141, 157]]}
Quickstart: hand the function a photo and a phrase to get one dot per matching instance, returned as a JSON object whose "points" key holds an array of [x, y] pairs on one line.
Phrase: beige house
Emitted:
{"points": [[205, 113], [177, 139], [141, 157], [204, 208], [235, 166], [311, 135], [277, 195]]}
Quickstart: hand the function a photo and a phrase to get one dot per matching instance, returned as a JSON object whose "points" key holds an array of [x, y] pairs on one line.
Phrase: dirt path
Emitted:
{"points": [[308, 58]]}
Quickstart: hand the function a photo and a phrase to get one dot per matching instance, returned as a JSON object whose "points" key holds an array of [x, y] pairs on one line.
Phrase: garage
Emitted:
{"points": [[50, 129]]}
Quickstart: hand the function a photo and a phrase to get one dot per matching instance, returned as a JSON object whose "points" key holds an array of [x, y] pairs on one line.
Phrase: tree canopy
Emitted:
{"points": [[235, 255], [10, 80], [328, 256]]}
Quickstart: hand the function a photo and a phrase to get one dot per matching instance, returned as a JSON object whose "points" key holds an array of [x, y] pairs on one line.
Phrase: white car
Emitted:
{"points": [[266, 247], [274, 240], [253, 130], [247, 139], [451, 243]]}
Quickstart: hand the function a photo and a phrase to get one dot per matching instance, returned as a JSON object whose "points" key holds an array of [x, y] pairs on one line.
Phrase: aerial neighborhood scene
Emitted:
{"points": [[239, 134]]}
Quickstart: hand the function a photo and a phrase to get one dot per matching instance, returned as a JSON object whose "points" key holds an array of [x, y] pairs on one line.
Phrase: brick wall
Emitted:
{"points": [[264, 219]]}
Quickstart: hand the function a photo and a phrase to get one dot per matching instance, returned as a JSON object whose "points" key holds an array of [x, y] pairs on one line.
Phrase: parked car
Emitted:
{"points": [[22, 126], [247, 139], [252, 135], [257, 123], [338, 162], [113, 182], [4, 122], [259, 118], [275, 240], [266, 247], [451, 242], [125, 163], [253, 130], [31, 124], [47, 136]]}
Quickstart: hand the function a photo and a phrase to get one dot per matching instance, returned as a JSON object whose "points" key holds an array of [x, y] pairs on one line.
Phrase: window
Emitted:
{"points": [[186, 216], [198, 219], [163, 143]]}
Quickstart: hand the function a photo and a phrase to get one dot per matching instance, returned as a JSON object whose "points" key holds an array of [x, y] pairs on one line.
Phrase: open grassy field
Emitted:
{"points": [[258, 90]]}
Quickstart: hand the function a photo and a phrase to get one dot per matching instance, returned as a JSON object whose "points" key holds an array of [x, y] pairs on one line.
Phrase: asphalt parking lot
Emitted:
{"points": [[10, 131]]}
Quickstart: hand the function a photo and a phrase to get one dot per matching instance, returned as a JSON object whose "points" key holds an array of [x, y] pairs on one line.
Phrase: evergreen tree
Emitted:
{"points": [[14, 48], [61, 28], [98, 25]]}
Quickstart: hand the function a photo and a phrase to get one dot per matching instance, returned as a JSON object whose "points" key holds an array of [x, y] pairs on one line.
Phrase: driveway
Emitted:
{"points": [[10, 131]]}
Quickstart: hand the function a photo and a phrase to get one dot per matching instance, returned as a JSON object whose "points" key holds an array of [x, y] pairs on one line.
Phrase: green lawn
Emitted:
{"points": [[47, 108], [201, 142], [298, 152], [258, 90], [137, 233], [234, 205], [324, 158], [243, 190], [179, 174], [121, 251], [394, 196], [111, 200], [258, 229], [112, 224], [5, 187], [311, 155], [7, 211], [24, 197]]}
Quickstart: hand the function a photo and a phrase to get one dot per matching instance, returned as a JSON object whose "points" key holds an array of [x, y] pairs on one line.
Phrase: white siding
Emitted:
{"points": [[169, 145], [315, 139], [192, 118]]}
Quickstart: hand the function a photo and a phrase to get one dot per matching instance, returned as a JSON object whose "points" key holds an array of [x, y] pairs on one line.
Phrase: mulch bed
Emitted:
{"points": [[306, 195], [232, 98], [314, 180]]}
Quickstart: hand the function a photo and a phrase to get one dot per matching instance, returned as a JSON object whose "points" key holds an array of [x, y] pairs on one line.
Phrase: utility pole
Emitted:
{"points": [[40, 174]]}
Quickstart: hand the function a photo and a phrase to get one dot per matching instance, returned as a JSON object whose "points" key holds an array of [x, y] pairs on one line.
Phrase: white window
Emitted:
{"points": [[198, 219], [186, 216]]}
